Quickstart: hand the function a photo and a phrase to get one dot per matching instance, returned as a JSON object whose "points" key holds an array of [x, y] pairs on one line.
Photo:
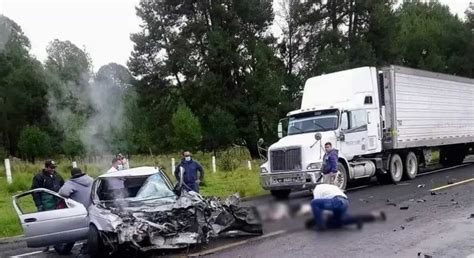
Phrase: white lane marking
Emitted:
{"points": [[451, 185], [36, 252], [228, 246]]}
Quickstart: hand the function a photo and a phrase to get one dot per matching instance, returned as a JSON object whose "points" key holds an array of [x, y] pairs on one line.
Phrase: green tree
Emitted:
{"points": [[34, 143], [210, 53], [72, 146], [430, 37], [23, 86], [186, 129], [220, 130]]}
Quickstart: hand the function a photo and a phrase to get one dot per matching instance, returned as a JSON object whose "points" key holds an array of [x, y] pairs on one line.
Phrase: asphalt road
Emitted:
{"points": [[435, 225]]}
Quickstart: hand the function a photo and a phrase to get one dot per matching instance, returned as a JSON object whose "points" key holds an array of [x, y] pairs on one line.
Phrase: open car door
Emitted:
{"points": [[65, 221]]}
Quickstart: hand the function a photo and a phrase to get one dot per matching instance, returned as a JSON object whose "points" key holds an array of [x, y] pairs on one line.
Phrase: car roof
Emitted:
{"points": [[132, 172]]}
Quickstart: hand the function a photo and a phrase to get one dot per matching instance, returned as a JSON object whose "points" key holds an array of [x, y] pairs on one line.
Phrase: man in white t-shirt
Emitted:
{"points": [[330, 198]]}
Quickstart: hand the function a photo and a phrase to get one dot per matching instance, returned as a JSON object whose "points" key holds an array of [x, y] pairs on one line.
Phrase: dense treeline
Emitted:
{"points": [[210, 74]]}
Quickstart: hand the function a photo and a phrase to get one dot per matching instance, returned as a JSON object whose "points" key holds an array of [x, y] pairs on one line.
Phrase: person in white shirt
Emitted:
{"points": [[329, 197], [116, 165]]}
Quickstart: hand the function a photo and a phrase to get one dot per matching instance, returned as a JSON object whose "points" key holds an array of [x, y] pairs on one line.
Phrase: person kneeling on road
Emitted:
{"points": [[331, 198]]}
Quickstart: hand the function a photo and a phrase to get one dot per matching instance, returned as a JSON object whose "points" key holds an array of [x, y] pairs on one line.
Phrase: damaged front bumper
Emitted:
{"points": [[190, 220]]}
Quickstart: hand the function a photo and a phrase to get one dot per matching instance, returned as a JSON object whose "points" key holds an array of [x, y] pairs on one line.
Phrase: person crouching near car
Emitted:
{"points": [[78, 187]]}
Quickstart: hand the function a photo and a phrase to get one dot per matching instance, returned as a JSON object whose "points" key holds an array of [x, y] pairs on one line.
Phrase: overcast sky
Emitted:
{"points": [[102, 27]]}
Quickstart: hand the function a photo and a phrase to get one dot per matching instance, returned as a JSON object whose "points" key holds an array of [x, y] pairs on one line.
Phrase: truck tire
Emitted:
{"points": [[410, 166], [95, 245], [280, 194], [342, 176], [395, 168]]}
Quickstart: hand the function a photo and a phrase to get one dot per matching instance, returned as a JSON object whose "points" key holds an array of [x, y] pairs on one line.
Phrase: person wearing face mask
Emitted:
{"points": [[47, 178], [191, 169], [116, 165]]}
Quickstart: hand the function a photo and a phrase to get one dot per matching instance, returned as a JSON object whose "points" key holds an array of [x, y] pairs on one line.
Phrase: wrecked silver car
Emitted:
{"points": [[139, 208]]}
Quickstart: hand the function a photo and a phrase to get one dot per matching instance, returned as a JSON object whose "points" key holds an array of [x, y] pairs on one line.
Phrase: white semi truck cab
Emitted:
{"points": [[383, 122]]}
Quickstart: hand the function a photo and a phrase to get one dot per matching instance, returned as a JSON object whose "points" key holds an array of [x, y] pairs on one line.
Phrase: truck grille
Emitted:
{"points": [[286, 159]]}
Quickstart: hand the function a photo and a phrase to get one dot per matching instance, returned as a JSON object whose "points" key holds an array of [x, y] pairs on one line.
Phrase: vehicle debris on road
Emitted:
{"points": [[403, 207]]}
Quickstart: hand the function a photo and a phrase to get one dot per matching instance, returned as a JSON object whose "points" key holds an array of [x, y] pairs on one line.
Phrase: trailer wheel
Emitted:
{"points": [[395, 168], [410, 166], [342, 177]]}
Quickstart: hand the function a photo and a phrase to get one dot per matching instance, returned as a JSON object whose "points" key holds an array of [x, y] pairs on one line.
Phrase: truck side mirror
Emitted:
{"points": [[341, 137], [280, 130], [318, 136]]}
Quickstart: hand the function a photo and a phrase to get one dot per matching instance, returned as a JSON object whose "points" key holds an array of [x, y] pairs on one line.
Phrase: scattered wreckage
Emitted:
{"points": [[136, 208]]}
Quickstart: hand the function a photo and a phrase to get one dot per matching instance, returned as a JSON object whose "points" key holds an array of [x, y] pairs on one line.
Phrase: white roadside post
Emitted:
{"points": [[8, 170], [172, 165], [74, 164], [249, 165], [214, 164]]}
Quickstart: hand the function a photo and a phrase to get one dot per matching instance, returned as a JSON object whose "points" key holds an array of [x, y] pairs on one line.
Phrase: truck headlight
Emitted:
{"points": [[314, 166], [263, 171]]}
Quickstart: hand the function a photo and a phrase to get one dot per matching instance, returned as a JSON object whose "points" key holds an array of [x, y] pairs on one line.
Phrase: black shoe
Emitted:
{"points": [[360, 225]]}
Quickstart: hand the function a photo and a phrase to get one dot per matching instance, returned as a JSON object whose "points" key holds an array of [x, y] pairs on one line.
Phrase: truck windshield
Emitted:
{"points": [[317, 121]]}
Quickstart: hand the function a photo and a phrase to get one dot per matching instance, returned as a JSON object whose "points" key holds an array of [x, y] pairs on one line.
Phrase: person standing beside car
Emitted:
{"points": [[191, 169], [47, 178], [330, 164], [78, 187]]}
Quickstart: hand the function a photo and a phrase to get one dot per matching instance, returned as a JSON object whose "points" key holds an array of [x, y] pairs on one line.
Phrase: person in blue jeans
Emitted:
{"points": [[329, 197], [191, 170]]}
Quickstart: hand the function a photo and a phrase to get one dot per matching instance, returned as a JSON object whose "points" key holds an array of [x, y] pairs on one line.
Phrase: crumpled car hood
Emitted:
{"points": [[178, 223]]}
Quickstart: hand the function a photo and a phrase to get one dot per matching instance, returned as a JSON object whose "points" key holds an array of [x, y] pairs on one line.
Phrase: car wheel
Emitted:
{"points": [[64, 248], [95, 244], [395, 168], [280, 194], [342, 177], [411, 165]]}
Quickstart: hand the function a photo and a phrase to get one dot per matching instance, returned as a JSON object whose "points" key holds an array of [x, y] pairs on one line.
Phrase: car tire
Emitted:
{"points": [[280, 194], [95, 245], [410, 166], [64, 248], [342, 177], [395, 168]]}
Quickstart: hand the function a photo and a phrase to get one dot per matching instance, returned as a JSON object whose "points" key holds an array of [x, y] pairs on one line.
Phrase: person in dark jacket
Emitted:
{"points": [[78, 187], [330, 164], [191, 169], [47, 178]]}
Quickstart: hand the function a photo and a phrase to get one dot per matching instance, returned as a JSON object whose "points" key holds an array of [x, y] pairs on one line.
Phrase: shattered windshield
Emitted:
{"points": [[135, 188], [154, 187]]}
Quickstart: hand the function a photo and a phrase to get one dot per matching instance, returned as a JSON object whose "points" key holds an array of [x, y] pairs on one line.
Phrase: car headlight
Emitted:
{"points": [[314, 166], [263, 170]]}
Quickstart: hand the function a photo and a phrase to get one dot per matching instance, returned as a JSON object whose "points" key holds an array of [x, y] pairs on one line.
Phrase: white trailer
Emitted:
{"points": [[384, 122]]}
